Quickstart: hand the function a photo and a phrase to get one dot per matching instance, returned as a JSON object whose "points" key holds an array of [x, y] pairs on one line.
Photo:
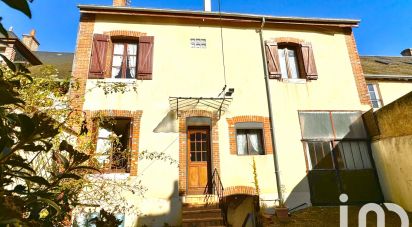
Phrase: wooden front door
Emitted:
{"points": [[199, 169]]}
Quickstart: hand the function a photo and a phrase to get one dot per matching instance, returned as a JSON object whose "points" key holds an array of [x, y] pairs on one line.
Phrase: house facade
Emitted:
{"points": [[173, 65], [388, 77], [20, 50]]}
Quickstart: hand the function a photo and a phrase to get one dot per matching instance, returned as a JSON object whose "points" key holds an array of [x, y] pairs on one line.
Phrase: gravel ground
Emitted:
{"points": [[329, 217]]}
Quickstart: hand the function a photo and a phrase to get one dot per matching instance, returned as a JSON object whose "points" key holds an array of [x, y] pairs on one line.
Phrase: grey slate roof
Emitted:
{"points": [[62, 61], [387, 65]]}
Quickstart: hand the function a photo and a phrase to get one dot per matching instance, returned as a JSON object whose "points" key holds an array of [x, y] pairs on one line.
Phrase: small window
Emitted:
{"points": [[112, 149], [249, 142], [197, 43], [124, 60], [374, 96], [289, 64]]}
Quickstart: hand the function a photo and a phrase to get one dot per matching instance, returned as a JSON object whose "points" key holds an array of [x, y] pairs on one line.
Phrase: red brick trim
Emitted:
{"points": [[357, 68], [183, 146], [239, 190], [267, 139], [121, 35], [124, 33], [135, 117], [82, 60], [289, 40]]}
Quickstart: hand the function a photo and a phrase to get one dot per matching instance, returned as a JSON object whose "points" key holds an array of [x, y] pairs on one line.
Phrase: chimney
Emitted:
{"points": [[30, 40], [208, 5], [407, 52], [121, 3]]}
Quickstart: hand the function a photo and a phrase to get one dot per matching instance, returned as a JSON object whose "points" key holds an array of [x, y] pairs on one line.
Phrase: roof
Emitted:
{"points": [[387, 67], [62, 61], [23, 49], [11, 35], [188, 14]]}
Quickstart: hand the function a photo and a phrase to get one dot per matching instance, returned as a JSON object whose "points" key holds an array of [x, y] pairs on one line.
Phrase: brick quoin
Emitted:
{"points": [[81, 61], [357, 68], [267, 139], [183, 146], [134, 116]]}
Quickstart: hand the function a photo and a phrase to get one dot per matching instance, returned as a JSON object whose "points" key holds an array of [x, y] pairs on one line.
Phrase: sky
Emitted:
{"points": [[385, 28]]}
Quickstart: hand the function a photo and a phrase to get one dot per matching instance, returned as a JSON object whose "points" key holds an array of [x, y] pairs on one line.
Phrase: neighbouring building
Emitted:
{"points": [[62, 63], [388, 77], [20, 51], [176, 63]]}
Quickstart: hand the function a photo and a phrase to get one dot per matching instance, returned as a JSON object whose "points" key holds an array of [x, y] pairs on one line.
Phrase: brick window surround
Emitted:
{"points": [[267, 139], [134, 116], [239, 190], [183, 115], [117, 35]]}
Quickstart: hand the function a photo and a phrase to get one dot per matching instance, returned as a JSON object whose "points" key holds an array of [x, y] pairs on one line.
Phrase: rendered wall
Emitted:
{"points": [[391, 91], [182, 71], [392, 148]]}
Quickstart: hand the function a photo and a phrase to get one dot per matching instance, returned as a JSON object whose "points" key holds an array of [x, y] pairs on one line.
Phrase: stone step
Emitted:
{"points": [[202, 222], [201, 213]]}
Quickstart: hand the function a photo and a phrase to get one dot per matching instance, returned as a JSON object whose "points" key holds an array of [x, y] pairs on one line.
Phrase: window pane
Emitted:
{"points": [[375, 104], [255, 141], [320, 154], [315, 125], [357, 156], [131, 49], [118, 49], [192, 156], [198, 156], [293, 64], [204, 156], [347, 154], [117, 60], [372, 95], [365, 155], [282, 60], [241, 142], [348, 125]]}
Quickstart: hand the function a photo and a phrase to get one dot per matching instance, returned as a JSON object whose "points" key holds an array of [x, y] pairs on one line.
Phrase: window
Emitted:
{"points": [[124, 60], [288, 62], [89, 219], [335, 140], [249, 142], [374, 95], [112, 149]]}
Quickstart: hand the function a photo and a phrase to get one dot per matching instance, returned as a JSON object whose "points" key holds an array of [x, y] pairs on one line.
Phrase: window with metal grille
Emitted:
{"points": [[335, 140], [113, 143]]}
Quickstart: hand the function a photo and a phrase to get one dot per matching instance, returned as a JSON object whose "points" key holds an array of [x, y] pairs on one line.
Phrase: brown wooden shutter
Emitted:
{"points": [[145, 58], [309, 62], [272, 58], [98, 56]]}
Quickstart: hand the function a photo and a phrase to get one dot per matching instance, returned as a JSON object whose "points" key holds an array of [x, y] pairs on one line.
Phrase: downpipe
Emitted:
{"points": [[271, 120]]}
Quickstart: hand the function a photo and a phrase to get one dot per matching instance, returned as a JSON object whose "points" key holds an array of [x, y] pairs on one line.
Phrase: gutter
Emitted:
{"points": [[389, 77], [271, 118], [237, 17]]}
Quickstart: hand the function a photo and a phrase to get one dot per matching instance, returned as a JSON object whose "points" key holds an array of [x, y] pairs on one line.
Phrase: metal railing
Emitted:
{"points": [[218, 189]]}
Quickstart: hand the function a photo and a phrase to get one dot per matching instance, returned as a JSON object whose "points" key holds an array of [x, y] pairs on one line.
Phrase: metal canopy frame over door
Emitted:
{"points": [[199, 157]]}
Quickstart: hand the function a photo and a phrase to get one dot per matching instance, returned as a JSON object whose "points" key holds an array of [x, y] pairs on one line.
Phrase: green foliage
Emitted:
{"points": [[31, 194], [255, 177]]}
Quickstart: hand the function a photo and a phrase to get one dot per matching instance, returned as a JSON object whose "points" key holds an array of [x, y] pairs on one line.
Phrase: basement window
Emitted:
{"points": [[113, 145]]}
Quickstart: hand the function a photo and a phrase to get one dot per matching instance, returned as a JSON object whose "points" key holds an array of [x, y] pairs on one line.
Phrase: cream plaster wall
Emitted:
{"points": [[182, 71], [393, 163], [390, 91]]}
